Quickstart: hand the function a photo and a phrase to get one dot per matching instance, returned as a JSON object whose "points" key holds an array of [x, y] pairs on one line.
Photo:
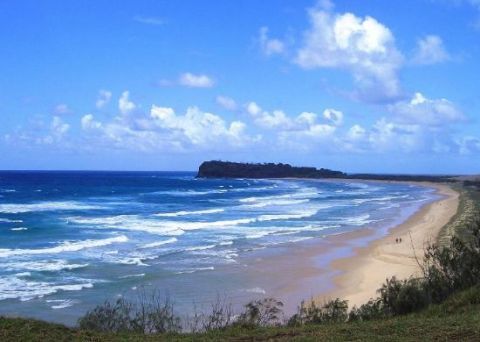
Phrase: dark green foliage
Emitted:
{"points": [[332, 311], [223, 169], [109, 317], [147, 315], [373, 309], [402, 297], [262, 313], [220, 317]]}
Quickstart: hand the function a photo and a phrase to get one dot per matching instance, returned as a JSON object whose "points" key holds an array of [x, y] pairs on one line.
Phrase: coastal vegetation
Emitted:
{"points": [[224, 169]]}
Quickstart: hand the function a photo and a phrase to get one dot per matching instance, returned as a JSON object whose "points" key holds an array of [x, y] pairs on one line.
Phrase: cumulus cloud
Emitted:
{"points": [[226, 102], [125, 106], [87, 122], [264, 119], [305, 122], [253, 108], [195, 81], [269, 46], [335, 116], [421, 110], [419, 125], [301, 132], [198, 127], [58, 127], [363, 46], [430, 50], [103, 98]]}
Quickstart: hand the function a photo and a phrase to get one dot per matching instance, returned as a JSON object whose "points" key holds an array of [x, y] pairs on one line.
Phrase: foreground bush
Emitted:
{"points": [[149, 314], [332, 311]]}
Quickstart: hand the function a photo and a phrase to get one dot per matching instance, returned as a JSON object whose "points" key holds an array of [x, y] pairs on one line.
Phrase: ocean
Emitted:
{"points": [[71, 240]]}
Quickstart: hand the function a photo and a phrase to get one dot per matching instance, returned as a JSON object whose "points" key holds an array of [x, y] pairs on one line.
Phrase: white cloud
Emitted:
{"points": [[356, 132], [195, 81], [264, 119], [469, 145], [421, 110], [103, 98], [268, 45], [149, 20], [363, 46], [58, 127], [304, 124], [226, 102], [335, 116], [430, 50], [277, 119], [62, 109], [388, 136], [253, 108], [414, 126], [88, 122], [125, 106], [198, 127], [307, 118]]}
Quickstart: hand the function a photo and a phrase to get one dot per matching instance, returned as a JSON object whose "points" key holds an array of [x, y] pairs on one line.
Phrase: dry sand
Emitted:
{"points": [[364, 273]]}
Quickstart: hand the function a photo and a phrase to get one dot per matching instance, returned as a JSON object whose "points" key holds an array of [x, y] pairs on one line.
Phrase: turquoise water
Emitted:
{"points": [[70, 240]]}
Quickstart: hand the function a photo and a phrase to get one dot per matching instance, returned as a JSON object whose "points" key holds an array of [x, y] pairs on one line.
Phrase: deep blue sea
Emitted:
{"points": [[70, 240]]}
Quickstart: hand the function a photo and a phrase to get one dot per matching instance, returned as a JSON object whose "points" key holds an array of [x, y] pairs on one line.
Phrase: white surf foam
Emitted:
{"points": [[12, 287], [132, 223], [18, 229], [4, 220], [299, 215], [12, 208], [46, 266], [138, 275], [194, 212], [159, 243], [199, 248], [273, 203], [198, 269], [67, 246], [184, 193], [358, 220], [61, 303]]}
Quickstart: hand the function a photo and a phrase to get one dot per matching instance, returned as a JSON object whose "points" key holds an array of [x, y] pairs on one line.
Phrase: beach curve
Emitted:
{"points": [[363, 273]]}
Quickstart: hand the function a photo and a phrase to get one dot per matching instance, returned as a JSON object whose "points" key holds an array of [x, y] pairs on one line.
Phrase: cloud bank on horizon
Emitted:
{"points": [[338, 85]]}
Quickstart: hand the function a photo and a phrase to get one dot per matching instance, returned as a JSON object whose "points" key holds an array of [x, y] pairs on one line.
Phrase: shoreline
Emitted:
{"points": [[364, 272]]}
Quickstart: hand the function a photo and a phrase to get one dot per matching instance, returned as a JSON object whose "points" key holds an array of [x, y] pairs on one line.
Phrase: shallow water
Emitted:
{"points": [[70, 240]]}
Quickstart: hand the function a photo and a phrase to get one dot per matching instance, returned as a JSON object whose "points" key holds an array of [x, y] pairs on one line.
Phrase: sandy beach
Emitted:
{"points": [[362, 274]]}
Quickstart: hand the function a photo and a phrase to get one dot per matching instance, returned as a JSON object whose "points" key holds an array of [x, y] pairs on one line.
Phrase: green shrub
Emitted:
{"points": [[262, 313], [149, 314], [373, 309], [332, 311], [109, 317]]}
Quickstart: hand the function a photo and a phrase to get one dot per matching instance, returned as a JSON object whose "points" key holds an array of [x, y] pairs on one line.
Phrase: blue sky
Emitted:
{"points": [[361, 86]]}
